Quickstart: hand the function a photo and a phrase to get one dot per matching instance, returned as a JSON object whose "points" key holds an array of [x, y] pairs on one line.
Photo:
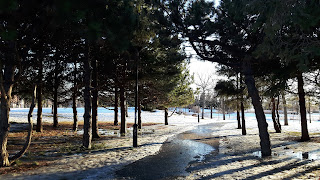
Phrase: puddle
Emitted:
{"points": [[291, 154]]}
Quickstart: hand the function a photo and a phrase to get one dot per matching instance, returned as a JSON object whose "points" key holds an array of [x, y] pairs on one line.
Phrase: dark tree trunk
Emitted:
{"points": [[273, 110], [277, 113], [139, 116], [302, 103], [244, 131], [55, 107], [285, 113], [39, 93], [28, 138], [223, 110], [238, 113], [116, 104], [55, 95], [126, 106], [74, 99], [7, 79], [95, 129], [261, 118], [238, 118], [87, 128], [123, 112], [211, 112], [166, 116]]}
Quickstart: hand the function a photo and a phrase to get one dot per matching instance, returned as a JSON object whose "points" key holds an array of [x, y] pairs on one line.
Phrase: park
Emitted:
{"points": [[114, 89]]}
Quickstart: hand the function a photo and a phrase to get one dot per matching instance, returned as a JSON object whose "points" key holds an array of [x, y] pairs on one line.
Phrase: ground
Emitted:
{"points": [[57, 154]]}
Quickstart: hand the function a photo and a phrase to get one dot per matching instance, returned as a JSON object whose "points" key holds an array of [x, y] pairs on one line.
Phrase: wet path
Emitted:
{"points": [[175, 155]]}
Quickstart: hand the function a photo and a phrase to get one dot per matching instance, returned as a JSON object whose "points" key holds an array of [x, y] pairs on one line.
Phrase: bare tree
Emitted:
{"points": [[205, 82]]}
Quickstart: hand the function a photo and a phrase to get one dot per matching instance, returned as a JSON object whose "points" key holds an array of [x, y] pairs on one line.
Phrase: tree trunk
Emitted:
{"points": [[309, 109], [116, 103], [126, 107], [39, 93], [273, 110], [238, 113], [6, 84], [277, 113], [244, 131], [55, 95], [261, 118], [139, 116], [55, 107], [166, 116], [87, 127], [95, 129], [74, 99], [203, 104], [285, 112], [123, 111], [28, 138], [211, 112], [302, 103], [223, 109]]}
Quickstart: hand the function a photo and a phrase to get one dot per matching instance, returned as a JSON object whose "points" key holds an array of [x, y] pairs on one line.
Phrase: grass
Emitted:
{"points": [[54, 143]]}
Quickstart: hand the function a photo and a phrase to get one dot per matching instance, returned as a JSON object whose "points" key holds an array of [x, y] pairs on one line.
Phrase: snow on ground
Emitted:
{"points": [[238, 156]]}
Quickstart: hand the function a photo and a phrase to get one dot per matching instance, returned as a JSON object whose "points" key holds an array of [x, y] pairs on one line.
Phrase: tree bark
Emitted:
{"points": [[277, 113], [116, 104], [74, 99], [55, 95], [273, 110], [211, 112], [238, 113], [261, 118], [166, 116], [123, 111], [223, 109], [139, 116], [55, 107], [87, 134], [285, 112], [126, 107], [95, 129], [244, 131], [39, 93], [6, 83], [302, 103]]}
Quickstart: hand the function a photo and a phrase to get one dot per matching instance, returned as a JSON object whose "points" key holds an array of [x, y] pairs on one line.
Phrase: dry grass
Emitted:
{"points": [[53, 143]]}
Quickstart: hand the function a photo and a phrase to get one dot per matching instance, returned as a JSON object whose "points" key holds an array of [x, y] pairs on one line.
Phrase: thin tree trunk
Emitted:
{"points": [[285, 112], [116, 103], [166, 116], [28, 138], [87, 128], [238, 113], [223, 109], [203, 104], [273, 110], [55, 95], [95, 129], [74, 99], [126, 106], [39, 92], [6, 80], [55, 107], [260, 116], [277, 113], [302, 103], [123, 112], [139, 116], [211, 112], [244, 131], [309, 110]]}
